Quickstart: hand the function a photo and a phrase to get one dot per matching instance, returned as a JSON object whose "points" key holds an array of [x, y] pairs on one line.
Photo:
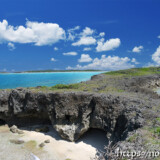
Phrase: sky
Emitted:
{"points": [[79, 34]]}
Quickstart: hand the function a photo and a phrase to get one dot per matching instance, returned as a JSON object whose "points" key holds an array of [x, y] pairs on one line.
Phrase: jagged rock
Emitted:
{"points": [[14, 129], [72, 114]]}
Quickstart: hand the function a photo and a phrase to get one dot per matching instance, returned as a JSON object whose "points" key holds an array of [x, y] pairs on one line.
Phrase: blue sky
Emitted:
{"points": [[79, 34]]}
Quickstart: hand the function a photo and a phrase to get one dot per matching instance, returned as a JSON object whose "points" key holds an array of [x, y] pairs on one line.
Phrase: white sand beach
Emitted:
{"points": [[57, 149]]}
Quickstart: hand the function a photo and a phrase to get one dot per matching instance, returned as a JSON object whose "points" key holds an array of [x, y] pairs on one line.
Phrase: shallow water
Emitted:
{"points": [[14, 80]]}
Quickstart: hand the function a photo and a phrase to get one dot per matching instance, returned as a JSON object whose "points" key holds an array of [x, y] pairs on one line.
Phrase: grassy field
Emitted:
{"points": [[136, 72]]}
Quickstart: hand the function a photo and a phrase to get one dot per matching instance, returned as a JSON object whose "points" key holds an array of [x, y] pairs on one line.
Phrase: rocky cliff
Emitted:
{"points": [[72, 114]]}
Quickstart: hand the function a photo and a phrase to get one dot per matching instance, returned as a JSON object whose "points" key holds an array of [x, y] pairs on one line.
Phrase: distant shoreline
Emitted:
{"points": [[53, 71]]}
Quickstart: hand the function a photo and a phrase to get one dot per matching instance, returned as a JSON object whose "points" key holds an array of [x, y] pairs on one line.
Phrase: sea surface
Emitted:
{"points": [[14, 80]]}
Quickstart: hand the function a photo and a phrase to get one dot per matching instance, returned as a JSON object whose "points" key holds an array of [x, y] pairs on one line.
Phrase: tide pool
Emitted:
{"points": [[14, 80]]}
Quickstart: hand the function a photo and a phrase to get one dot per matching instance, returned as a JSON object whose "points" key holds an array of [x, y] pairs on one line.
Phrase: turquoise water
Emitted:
{"points": [[14, 80]]}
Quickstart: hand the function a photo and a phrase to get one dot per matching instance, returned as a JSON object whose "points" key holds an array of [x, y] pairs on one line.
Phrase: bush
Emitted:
{"points": [[65, 86]]}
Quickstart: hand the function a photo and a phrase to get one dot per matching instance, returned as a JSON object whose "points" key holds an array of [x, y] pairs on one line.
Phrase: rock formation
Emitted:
{"points": [[73, 113]]}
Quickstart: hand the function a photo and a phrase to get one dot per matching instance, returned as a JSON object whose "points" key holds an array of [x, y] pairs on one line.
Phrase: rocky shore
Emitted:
{"points": [[73, 113]]}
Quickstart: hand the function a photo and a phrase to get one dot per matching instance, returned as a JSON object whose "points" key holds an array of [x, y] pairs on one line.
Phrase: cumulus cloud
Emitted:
{"points": [[70, 54], [55, 48], [53, 59], [85, 41], [110, 44], [158, 36], [107, 63], [134, 61], [87, 49], [87, 31], [33, 32], [102, 34], [137, 49], [85, 58], [11, 46], [85, 37], [156, 56]]}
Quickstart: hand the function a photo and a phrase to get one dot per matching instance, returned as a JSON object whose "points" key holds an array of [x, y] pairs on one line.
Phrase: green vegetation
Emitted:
{"points": [[132, 138], [65, 86], [157, 131], [135, 72], [158, 119], [152, 133]]}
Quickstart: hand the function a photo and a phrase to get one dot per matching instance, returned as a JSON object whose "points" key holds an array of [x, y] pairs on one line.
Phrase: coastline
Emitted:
{"points": [[123, 104]]}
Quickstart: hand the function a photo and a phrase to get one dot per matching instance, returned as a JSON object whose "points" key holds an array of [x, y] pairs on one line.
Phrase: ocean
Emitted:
{"points": [[14, 80]]}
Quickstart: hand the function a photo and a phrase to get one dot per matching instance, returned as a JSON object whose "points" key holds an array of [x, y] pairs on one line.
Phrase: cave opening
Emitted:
{"points": [[67, 117], [120, 127], [2, 122], [95, 137]]}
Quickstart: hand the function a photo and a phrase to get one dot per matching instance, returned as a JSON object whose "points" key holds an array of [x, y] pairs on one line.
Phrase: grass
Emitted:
{"points": [[135, 72], [132, 138], [158, 119], [152, 134], [65, 86]]}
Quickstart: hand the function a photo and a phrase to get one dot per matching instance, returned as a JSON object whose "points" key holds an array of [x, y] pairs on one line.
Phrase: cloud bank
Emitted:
{"points": [[33, 32], [107, 63]]}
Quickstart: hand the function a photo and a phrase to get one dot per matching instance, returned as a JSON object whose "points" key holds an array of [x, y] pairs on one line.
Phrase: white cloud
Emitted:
{"points": [[74, 29], [37, 33], [85, 58], [70, 54], [110, 44], [156, 56], [134, 61], [87, 31], [55, 48], [71, 33], [87, 49], [107, 63], [158, 36], [53, 59], [102, 34], [137, 49], [85, 41], [11, 46], [85, 37]]}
